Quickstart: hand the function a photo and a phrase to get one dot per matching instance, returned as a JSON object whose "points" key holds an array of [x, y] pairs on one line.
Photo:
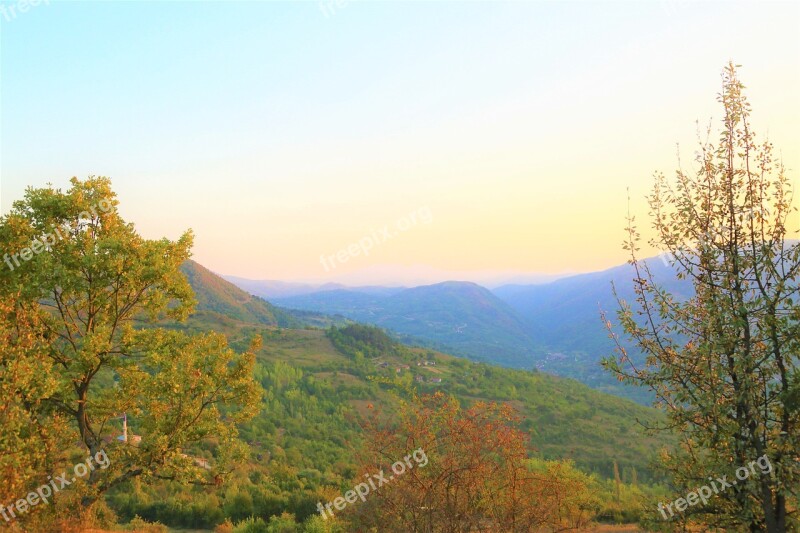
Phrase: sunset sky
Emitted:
{"points": [[281, 132]]}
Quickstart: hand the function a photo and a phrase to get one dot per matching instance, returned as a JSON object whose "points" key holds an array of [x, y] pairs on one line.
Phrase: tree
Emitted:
{"points": [[468, 472], [723, 362], [95, 292], [31, 441]]}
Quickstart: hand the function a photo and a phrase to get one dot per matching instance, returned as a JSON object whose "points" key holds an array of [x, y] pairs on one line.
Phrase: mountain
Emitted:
{"points": [[564, 315], [219, 300], [461, 317], [216, 295], [316, 385], [555, 327], [270, 288]]}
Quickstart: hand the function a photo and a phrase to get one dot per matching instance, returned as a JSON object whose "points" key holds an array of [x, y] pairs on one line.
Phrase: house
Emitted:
{"points": [[436, 380], [198, 461]]}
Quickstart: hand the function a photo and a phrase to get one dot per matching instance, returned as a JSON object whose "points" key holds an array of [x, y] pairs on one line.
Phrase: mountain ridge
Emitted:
{"points": [[463, 317], [554, 326], [564, 418]]}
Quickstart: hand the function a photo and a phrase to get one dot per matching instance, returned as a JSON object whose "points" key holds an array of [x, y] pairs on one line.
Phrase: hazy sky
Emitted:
{"points": [[281, 132]]}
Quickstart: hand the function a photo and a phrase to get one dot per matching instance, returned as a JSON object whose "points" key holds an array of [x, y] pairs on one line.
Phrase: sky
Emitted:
{"points": [[383, 142]]}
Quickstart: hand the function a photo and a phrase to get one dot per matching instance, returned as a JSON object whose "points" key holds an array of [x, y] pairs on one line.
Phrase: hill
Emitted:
{"points": [[565, 317], [554, 327], [216, 295], [460, 317], [220, 302], [319, 385], [564, 314], [549, 401]]}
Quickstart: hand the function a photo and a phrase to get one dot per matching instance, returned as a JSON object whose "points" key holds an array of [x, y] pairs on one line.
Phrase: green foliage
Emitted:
{"points": [[303, 442], [458, 317], [362, 340], [84, 294], [139, 525], [30, 439], [216, 295], [724, 362], [251, 525], [191, 390]]}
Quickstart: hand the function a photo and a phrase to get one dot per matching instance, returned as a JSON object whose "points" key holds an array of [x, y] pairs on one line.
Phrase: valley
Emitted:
{"points": [[555, 327]]}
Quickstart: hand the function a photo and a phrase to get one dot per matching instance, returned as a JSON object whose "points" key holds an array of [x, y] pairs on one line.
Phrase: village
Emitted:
{"points": [[417, 377]]}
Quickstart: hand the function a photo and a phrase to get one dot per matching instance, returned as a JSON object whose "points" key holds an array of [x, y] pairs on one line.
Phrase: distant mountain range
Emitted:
{"points": [[553, 326], [393, 275], [304, 370], [461, 317], [564, 315], [271, 289]]}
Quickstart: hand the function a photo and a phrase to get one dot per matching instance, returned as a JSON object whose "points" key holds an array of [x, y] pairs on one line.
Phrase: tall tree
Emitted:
{"points": [[95, 291], [724, 363]]}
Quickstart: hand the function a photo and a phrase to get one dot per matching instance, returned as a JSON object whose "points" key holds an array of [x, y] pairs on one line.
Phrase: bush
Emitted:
{"points": [[251, 525], [284, 523], [225, 527], [138, 525]]}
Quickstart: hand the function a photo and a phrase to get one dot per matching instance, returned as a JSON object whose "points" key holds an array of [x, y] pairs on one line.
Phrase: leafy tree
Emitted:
{"points": [[31, 441], [723, 363], [469, 472], [360, 339], [79, 298]]}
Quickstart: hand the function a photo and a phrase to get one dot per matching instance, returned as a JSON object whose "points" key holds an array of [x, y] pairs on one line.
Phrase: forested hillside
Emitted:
{"points": [[459, 317], [320, 385], [554, 407]]}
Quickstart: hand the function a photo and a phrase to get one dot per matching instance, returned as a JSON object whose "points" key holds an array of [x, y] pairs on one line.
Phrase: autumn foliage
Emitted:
{"points": [[478, 476]]}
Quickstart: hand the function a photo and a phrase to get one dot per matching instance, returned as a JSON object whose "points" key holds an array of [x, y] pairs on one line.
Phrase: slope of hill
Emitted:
{"points": [[304, 443], [463, 318], [565, 317], [564, 314], [216, 295], [320, 384], [225, 302], [555, 326], [564, 417]]}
